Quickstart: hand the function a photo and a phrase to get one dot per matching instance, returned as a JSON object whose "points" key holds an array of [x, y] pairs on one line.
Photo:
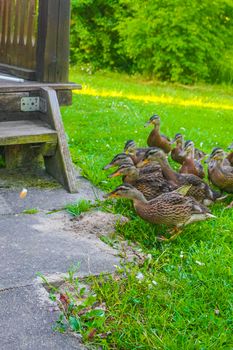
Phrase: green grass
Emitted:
{"points": [[190, 307], [31, 211]]}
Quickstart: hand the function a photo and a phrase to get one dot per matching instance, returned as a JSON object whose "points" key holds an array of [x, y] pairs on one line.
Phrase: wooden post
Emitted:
{"points": [[53, 41], [58, 165]]}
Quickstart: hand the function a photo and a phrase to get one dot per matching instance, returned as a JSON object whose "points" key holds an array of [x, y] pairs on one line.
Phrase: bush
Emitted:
{"points": [[93, 33], [167, 39]]}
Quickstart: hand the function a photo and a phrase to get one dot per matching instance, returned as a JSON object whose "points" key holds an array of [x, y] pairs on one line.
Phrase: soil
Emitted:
{"points": [[97, 223]]}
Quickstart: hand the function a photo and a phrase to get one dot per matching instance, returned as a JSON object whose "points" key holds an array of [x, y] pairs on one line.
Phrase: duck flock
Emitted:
{"points": [[160, 194]]}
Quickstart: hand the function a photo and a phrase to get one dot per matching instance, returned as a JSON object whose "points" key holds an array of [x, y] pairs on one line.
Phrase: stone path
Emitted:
{"points": [[43, 243]]}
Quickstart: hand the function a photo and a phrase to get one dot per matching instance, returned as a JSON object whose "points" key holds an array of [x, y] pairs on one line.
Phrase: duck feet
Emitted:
{"points": [[230, 205], [175, 233]]}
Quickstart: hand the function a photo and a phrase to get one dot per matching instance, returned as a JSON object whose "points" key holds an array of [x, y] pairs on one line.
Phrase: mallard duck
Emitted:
{"points": [[172, 209], [191, 165], [123, 158], [199, 190], [211, 161], [119, 159], [177, 153], [220, 175], [155, 139], [199, 154], [151, 185], [136, 153], [230, 155]]}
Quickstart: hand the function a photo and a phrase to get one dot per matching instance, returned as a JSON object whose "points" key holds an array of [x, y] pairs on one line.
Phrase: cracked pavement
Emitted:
{"points": [[44, 243]]}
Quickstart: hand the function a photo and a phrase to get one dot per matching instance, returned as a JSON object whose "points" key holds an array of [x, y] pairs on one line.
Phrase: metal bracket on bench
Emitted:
{"points": [[33, 104]]}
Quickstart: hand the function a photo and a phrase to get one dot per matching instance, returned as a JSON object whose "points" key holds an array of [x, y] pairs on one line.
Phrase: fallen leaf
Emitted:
{"points": [[23, 193], [92, 333], [64, 299]]}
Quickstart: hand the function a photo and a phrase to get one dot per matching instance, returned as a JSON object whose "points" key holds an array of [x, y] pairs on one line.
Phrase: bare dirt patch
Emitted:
{"points": [[97, 223]]}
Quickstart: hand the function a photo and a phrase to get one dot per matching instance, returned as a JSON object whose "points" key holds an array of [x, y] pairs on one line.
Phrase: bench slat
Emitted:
{"points": [[26, 131]]}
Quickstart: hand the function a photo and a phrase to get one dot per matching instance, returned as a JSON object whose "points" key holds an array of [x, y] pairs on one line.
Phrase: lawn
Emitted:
{"points": [[183, 298]]}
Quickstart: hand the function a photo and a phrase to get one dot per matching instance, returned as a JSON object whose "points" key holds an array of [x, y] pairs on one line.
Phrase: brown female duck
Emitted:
{"points": [[119, 159], [191, 165], [199, 190], [220, 175], [150, 184], [155, 139], [137, 154], [230, 155], [172, 209], [177, 153]]}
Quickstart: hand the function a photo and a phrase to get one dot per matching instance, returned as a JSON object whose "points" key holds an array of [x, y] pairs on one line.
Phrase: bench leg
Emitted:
{"points": [[60, 164]]}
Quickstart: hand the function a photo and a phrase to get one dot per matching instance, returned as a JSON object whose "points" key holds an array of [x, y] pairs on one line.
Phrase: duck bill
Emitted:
{"points": [[108, 166], [147, 124], [142, 163], [173, 141], [112, 194], [115, 174]]}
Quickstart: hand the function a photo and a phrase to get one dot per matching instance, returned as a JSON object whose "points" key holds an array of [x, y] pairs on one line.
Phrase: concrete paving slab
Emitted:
{"points": [[47, 244], [45, 199], [27, 321]]}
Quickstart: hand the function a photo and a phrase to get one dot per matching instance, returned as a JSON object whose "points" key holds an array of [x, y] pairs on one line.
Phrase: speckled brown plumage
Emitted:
{"points": [[150, 184], [136, 153], [199, 190], [221, 176], [177, 153], [173, 209], [190, 164], [230, 155], [119, 159], [123, 158]]}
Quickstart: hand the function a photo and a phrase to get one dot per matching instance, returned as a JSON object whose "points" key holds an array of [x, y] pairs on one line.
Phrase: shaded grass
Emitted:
{"points": [[190, 307]]}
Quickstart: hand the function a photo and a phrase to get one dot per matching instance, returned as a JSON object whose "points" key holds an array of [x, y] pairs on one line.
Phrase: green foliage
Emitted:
{"points": [[177, 40], [80, 310], [93, 36], [31, 211], [80, 207], [170, 40]]}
